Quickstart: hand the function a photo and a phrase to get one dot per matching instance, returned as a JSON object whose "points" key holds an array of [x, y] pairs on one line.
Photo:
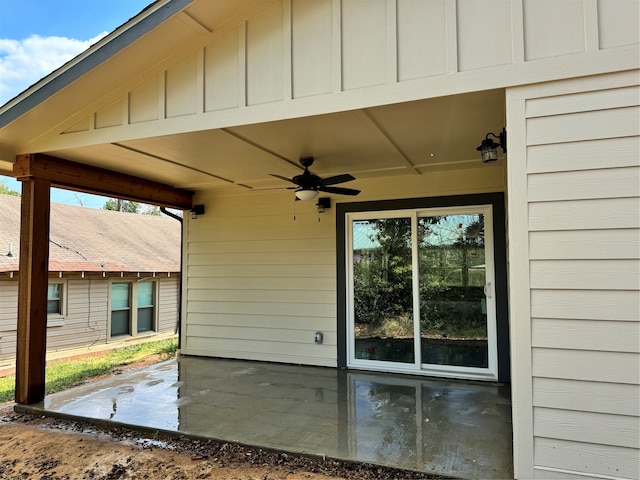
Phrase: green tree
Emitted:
{"points": [[4, 190], [382, 277], [131, 207], [151, 210], [121, 206]]}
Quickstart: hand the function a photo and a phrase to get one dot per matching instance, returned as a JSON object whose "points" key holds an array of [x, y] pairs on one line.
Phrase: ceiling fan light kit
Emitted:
{"points": [[306, 195], [310, 185]]}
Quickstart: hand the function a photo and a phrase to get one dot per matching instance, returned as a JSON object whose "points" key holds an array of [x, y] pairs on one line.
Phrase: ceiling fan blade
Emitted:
{"points": [[339, 190], [273, 188], [283, 178], [345, 177]]}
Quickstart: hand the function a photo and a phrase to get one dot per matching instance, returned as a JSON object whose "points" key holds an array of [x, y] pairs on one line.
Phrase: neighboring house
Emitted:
{"points": [[212, 99], [112, 276]]}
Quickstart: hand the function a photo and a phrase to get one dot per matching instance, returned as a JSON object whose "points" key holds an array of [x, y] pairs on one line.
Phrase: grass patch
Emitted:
{"points": [[65, 374]]}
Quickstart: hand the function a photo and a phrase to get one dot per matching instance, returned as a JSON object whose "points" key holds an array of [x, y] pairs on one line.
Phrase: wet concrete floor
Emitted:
{"points": [[455, 428]]}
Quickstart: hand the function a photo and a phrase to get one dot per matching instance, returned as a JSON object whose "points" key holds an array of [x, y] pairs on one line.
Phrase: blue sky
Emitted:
{"points": [[38, 36]]}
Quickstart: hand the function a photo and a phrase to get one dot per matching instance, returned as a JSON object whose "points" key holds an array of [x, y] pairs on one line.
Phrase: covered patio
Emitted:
{"points": [[453, 428], [209, 107]]}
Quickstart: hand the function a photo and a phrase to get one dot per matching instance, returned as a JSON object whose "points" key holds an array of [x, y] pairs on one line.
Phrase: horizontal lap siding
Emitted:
{"points": [[259, 284], [8, 305], [8, 315], [168, 304], [86, 321], [584, 276], [87, 311]]}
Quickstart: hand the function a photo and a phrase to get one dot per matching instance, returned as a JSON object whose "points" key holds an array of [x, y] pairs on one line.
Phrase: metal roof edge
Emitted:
{"points": [[86, 61]]}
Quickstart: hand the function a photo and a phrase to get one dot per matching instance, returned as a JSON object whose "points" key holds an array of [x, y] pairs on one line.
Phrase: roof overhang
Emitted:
{"points": [[77, 176], [365, 132]]}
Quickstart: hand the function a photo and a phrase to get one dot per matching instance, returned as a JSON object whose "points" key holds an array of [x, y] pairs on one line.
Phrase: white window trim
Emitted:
{"points": [[133, 307], [491, 372], [57, 319]]}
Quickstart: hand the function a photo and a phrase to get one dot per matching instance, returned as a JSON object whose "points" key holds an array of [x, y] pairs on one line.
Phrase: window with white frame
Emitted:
{"points": [[146, 306], [120, 308], [133, 307], [56, 303]]}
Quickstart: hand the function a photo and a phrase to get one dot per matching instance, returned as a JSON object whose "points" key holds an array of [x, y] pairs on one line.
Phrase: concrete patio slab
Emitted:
{"points": [[455, 428]]}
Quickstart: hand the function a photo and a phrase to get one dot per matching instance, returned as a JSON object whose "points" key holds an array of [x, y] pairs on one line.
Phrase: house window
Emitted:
{"points": [[133, 308], [146, 306], [120, 309], [56, 303], [54, 299]]}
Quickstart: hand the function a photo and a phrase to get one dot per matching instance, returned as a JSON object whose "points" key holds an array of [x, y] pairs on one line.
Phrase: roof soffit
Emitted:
{"points": [[182, 30], [348, 133]]}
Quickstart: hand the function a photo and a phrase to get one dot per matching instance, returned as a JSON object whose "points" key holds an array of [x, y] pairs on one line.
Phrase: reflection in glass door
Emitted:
{"points": [[421, 291], [453, 307], [383, 291]]}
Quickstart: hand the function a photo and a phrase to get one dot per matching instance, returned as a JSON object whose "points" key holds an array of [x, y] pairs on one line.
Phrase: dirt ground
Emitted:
{"points": [[41, 448]]}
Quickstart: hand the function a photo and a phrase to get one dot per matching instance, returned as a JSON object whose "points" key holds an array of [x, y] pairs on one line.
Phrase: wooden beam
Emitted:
{"points": [[100, 181], [32, 292]]}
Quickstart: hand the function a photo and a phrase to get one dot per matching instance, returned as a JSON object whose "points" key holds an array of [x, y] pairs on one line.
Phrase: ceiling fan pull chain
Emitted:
{"points": [[294, 209]]}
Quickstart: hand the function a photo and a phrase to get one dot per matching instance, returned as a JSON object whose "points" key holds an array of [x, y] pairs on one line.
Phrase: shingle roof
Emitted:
{"points": [[86, 239]]}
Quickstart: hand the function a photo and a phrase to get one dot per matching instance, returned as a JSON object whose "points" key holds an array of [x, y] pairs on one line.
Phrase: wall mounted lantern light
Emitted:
{"points": [[306, 194], [489, 149], [196, 210]]}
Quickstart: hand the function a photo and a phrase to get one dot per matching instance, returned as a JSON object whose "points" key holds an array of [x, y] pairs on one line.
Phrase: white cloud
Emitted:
{"points": [[24, 62]]}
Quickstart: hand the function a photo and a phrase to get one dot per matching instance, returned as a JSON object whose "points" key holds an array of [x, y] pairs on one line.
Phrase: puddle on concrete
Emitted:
{"points": [[454, 428]]}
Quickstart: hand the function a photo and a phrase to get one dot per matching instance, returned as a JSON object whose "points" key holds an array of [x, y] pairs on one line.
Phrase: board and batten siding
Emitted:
{"points": [[324, 56], [260, 284], [574, 230]]}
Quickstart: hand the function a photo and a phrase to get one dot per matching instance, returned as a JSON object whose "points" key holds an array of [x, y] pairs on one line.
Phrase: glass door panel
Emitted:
{"points": [[383, 328], [452, 279]]}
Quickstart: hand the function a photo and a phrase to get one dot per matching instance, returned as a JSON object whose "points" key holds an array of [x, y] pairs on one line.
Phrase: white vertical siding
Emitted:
{"points": [[181, 88], [312, 47], [618, 23], [222, 73], [261, 284], [422, 23], [364, 37], [479, 46], [265, 57], [580, 167], [340, 55], [544, 19]]}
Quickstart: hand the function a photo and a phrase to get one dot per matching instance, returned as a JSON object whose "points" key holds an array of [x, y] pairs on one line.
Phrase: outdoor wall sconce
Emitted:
{"points": [[306, 194], [323, 204], [196, 210], [489, 149]]}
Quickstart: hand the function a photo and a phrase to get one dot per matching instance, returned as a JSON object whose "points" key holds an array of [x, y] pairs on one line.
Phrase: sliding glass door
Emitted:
{"points": [[421, 291], [383, 327]]}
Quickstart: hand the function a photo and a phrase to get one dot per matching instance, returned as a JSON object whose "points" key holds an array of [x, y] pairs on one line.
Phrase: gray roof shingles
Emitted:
{"points": [[92, 240]]}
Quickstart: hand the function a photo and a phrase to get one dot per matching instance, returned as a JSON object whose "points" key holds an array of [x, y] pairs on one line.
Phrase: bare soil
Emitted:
{"points": [[43, 448]]}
